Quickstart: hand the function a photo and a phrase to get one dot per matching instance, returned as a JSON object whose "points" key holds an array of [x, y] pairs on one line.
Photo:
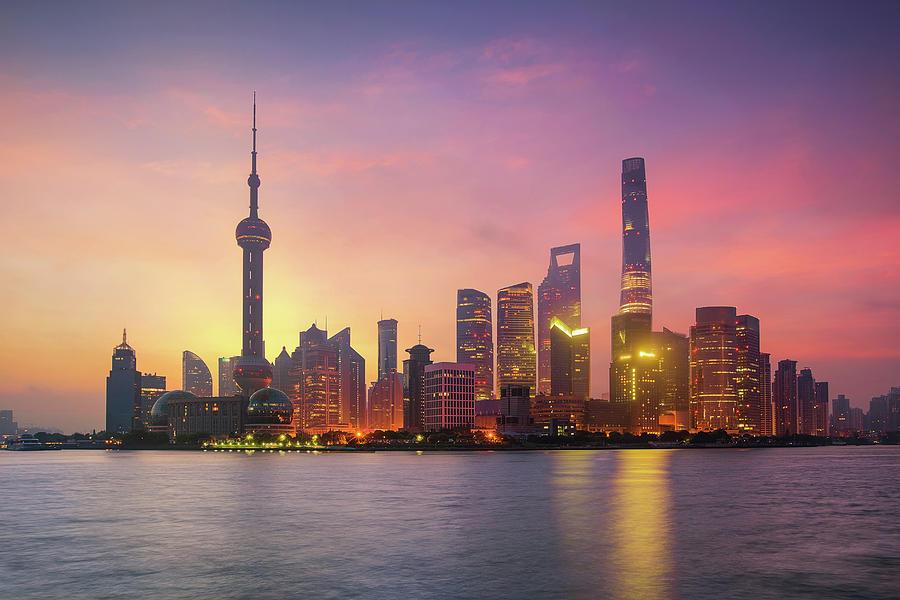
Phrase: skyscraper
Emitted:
{"points": [[516, 359], [559, 297], [570, 360], [475, 340], [714, 358], [253, 235], [414, 377], [449, 396], [7, 425], [281, 371], [352, 368], [806, 400], [314, 383], [784, 398], [195, 375], [387, 347], [840, 421], [386, 403], [227, 386], [123, 389], [820, 410], [767, 408], [747, 370], [152, 387], [636, 293]]}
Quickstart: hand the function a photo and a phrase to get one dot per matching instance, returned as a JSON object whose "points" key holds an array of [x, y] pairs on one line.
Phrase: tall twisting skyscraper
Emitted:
{"points": [[516, 359], [474, 339], [559, 297], [636, 294], [253, 371]]}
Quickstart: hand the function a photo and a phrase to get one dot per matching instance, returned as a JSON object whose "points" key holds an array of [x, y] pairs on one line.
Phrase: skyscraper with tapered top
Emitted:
{"points": [[253, 235], [558, 297], [516, 359], [636, 296], [474, 339]]}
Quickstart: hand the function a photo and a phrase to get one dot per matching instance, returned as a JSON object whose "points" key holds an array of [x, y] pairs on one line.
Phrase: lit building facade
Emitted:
{"points": [[217, 417], [352, 368], [123, 389], [820, 410], [840, 416], [314, 383], [253, 371], [449, 396], [714, 358], [806, 401], [767, 408], [515, 410], [516, 358], [747, 371], [475, 340], [152, 387], [386, 403], [195, 375], [558, 297], [387, 347], [227, 386], [414, 385], [636, 294], [570, 360], [784, 397], [545, 409]]}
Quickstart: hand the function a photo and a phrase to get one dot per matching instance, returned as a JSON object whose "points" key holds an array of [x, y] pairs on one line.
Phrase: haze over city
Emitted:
{"points": [[409, 152]]}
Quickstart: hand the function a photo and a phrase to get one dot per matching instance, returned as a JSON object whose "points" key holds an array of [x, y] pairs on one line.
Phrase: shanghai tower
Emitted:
{"points": [[253, 371], [636, 296]]}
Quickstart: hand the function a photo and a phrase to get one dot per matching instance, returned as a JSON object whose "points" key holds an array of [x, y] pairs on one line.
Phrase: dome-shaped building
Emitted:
{"points": [[159, 414], [270, 411]]}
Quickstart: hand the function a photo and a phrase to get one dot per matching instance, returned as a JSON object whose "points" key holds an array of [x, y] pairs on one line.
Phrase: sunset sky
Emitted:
{"points": [[407, 150]]}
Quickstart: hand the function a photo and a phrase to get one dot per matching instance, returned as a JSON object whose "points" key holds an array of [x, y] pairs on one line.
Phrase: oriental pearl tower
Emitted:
{"points": [[253, 371]]}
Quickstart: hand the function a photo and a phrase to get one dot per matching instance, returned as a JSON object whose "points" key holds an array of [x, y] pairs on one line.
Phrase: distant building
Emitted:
{"points": [[414, 386], [449, 396], [152, 387], [806, 401], [217, 417], [840, 416], [227, 386], [123, 389], [558, 297], [387, 347], [820, 410], [766, 407], [281, 371], [714, 360], [748, 407], [570, 360], [784, 396], [561, 408], [857, 419], [315, 383], [475, 340], [195, 375], [386, 403], [352, 369], [516, 359], [7, 425], [884, 412]]}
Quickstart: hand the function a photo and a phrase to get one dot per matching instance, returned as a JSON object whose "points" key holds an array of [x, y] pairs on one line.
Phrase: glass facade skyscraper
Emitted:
{"points": [[784, 397], [714, 358], [123, 389], [559, 297], [195, 375], [475, 340], [387, 347], [516, 359], [636, 293], [570, 360]]}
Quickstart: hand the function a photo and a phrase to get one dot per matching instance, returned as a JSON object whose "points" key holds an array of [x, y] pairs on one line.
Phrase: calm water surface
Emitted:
{"points": [[635, 524]]}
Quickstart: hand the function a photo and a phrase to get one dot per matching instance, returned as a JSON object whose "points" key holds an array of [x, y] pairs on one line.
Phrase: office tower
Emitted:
{"points": [[123, 389], [878, 417], [570, 360], [806, 400], [195, 375], [253, 235], [714, 359], [747, 370], [767, 408], [7, 425], [516, 360], [387, 347], [840, 421], [352, 368], [386, 403], [636, 290], [515, 410], [227, 386], [559, 297], [631, 389], [414, 378], [152, 387], [784, 398], [673, 355], [857, 420], [569, 409], [820, 410], [314, 383], [281, 371], [475, 340], [450, 394]]}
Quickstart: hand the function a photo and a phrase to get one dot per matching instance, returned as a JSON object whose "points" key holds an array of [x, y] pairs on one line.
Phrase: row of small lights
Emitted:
{"points": [[248, 442]]}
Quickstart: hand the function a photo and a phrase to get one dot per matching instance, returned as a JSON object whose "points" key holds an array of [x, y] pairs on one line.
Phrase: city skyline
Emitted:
{"points": [[175, 144]]}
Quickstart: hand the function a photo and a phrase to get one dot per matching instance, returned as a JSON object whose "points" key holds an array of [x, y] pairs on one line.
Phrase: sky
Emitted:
{"points": [[410, 149]]}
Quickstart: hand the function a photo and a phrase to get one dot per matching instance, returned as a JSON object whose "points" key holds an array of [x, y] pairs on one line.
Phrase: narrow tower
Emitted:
{"points": [[253, 371], [636, 295]]}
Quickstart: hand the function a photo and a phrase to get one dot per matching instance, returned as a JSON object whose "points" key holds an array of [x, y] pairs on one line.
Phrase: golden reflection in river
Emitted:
{"points": [[641, 550]]}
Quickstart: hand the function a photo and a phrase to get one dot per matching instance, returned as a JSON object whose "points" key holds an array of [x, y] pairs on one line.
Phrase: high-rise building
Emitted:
{"points": [[7, 425], [714, 359], [387, 347], [450, 395], [747, 371], [636, 293], [559, 297], [673, 357], [414, 383], [152, 387], [475, 340], [516, 359], [227, 386], [806, 400], [820, 410], [352, 368], [570, 360], [195, 375], [857, 419], [253, 371], [314, 383], [386, 403], [515, 410], [281, 371], [784, 398], [840, 420], [767, 408], [123, 389]]}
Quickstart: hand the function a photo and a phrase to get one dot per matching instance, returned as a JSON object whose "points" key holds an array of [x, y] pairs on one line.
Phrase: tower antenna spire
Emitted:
{"points": [[124, 336], [253, 153], [420, 333], [253, 180]]}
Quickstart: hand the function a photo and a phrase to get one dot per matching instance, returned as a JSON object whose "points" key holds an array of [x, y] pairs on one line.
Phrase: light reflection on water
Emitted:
{"points": [[649, 524]]}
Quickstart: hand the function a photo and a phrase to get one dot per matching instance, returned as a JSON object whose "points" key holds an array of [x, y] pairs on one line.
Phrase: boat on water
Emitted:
{"points": [[28, 442]]}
